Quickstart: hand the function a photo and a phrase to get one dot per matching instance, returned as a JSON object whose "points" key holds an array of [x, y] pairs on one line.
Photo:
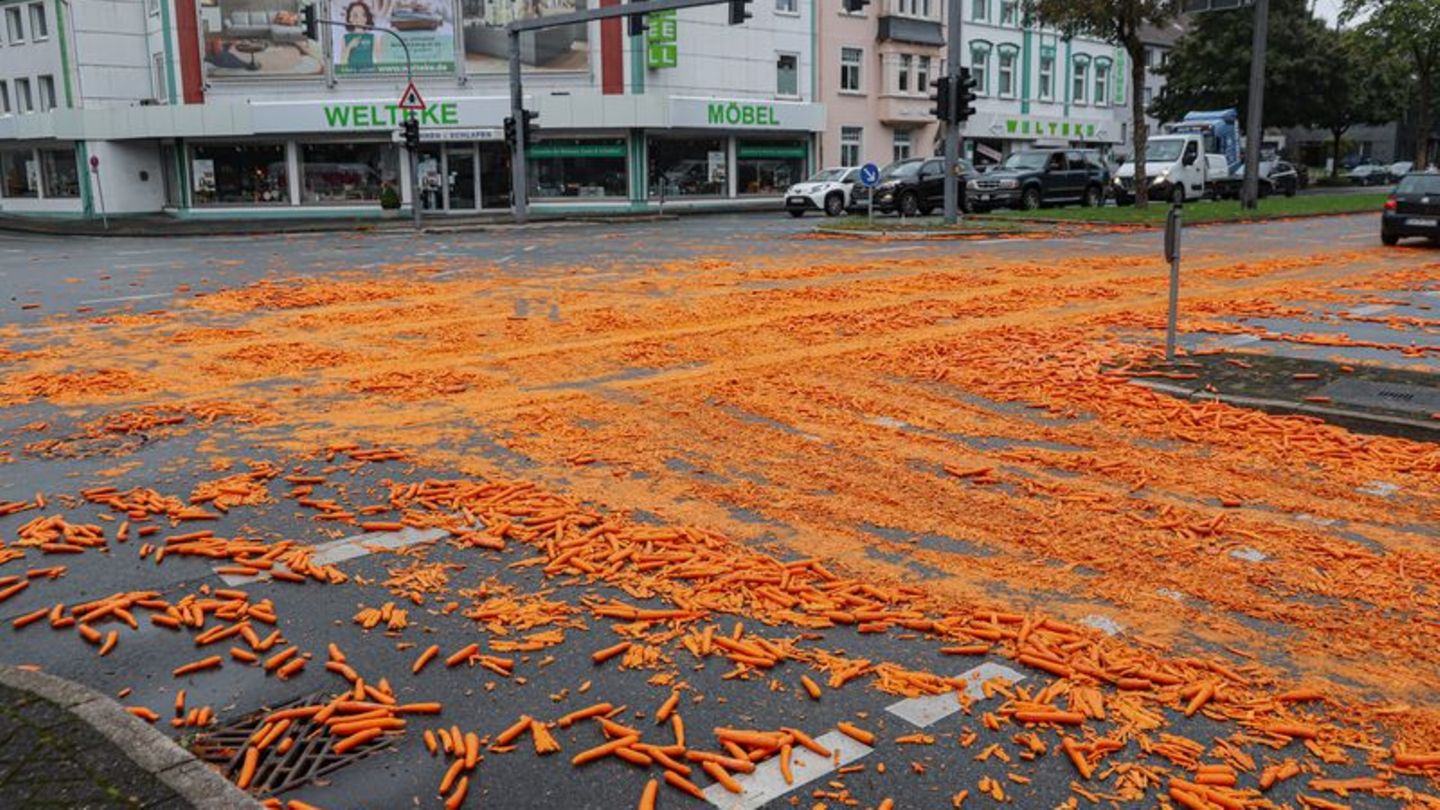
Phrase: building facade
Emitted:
{"points": [[1036, 87], [230, 108]]}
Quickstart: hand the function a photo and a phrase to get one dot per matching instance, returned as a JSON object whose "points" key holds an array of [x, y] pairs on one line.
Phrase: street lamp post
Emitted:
{"points": [[1250, 188]]}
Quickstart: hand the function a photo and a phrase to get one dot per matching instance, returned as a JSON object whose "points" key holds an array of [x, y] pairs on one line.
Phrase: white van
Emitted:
{"points": [[1178, 168]]}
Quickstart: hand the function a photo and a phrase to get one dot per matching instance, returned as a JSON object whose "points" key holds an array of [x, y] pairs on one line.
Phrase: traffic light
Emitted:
{"points": [[941, 99], [411, 131], [854, 6], [510, 132], [307, 22], [739, 11], [527, 127], [637, 25], [966, 96]]}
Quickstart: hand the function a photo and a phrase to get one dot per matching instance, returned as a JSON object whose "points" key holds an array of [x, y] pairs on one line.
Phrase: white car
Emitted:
{"points": [[827, 190]]}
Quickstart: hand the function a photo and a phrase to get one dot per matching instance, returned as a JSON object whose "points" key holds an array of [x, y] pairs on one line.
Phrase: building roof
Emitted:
{"points": [[1164, 35]]}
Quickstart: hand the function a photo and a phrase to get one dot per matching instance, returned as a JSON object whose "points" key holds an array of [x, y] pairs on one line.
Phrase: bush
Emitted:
{"points": [[390, 199]]}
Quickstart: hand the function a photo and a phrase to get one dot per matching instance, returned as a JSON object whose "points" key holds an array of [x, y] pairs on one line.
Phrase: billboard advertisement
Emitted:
{"points": [[482, 24], [247, 39], [426, 26]]}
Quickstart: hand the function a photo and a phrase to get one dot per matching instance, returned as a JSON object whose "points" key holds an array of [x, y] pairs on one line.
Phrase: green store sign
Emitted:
{"points": [[575, 150], [370, 116], [734, 113], [1062, 129], [662, 40], [744, 151]]}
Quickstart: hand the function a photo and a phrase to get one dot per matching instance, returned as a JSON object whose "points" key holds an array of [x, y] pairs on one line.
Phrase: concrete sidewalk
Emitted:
{"points": [[65, 745]]}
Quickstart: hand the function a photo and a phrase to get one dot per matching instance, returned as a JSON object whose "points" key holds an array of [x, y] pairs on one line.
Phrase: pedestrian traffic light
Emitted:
{"points": [[528, 128], [510, 132], [941, 99], [854, 6], [966, 96], [739, 11], [411, 130], [307, 22]]}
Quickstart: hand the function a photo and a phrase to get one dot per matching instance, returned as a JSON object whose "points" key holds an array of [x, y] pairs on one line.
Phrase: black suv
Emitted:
{"points": [[917, 186], [1034, 177]]}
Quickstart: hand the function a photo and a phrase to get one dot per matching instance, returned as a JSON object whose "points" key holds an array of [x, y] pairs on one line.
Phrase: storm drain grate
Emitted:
{"points": [[309, 757], [1390, 396]]}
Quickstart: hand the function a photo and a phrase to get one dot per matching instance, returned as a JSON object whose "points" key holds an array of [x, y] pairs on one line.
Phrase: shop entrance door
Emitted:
{"points": [[460, 172], [494, 175]]}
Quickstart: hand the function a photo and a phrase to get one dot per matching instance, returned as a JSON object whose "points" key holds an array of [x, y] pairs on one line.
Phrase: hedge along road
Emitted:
{"points": [[678, 486]]}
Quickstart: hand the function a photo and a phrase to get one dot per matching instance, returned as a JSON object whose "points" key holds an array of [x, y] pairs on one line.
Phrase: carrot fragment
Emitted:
{"points": [[601, 656], [720, 775], [679, 782], [603, 750], [810, 687], [197, 666], [425, 658], [510, 734], [357, 739], [649, 795], [458, 797], [855, 733], [581, 714], [247, 768], [667, 707], [462, 655]]}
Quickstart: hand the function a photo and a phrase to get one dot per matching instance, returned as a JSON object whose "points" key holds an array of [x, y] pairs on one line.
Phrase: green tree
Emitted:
{"points": [[1118, 22], [1365, 84], [1411, 30], [1209, 68]]}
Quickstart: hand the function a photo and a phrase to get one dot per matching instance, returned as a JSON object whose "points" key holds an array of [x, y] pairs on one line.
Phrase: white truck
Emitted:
{"points": [[1186, 160]]}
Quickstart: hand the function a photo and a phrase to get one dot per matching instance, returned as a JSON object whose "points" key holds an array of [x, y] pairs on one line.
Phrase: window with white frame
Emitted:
{"points": [[1046, 89], [979, 67], [39, 25], [1008, 55], [4, 97], [15, 25], [24, 102], [1102, 82], [922, 74], [158, 90], [980, 10], [902, 76], [850, 145], [1149, 96], [1009, 12], [902, 145], [787, 7], [46, 86], [787, 74], [850, 59], [1079, 77]]}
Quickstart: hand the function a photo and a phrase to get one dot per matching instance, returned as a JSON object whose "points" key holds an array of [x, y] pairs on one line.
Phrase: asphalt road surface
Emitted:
{"points": [[907, 471]]}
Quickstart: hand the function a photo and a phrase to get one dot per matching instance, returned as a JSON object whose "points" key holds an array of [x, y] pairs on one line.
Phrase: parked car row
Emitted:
{"points": [[1371, 173]]}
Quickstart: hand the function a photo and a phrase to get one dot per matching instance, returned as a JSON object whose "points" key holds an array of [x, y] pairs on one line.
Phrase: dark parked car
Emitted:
{"points": [[1034, 177], [1276, 177], [916, 186], [1413, 209]]}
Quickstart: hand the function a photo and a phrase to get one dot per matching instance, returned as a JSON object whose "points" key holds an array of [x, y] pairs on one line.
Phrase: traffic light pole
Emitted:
{"points": [[952, 130], [1254, 117], [519, 181]]}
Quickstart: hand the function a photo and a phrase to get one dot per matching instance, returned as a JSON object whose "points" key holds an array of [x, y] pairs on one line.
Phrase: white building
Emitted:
{"points": [[226, 108], [1035, 86]]}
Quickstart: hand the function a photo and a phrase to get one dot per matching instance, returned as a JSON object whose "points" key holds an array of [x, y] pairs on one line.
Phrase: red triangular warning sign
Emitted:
{"points": [[410, 99]]}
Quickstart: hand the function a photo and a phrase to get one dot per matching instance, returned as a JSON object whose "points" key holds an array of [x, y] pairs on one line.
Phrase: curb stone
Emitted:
{"points": [[195, 782], [1288, 406]]}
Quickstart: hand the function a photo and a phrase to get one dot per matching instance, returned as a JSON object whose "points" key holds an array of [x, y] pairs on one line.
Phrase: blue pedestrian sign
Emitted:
{"points": [[869, 175]]}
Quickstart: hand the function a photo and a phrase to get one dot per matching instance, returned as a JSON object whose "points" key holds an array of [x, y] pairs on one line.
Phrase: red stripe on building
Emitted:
{"points": [[187, 30], [612, 54]]}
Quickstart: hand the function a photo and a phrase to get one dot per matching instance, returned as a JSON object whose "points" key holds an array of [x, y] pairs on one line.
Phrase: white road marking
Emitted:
{"points": [[1248, 554], [1382, 488], [1371, 309], [503, 259], [1239, 340], [925, 711], [349, 548], [116, 299], [898, 249], [1104, 624], [766, 784]]}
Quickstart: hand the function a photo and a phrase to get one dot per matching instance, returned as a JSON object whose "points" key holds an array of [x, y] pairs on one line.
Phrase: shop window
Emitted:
{"points": [[980, 67], [787, 74], [769, 167], [239, 174], [347, 172], [46, 86], [24, 102], [850, 69], [1102, 82], [15, 25], [1005, 71], [578, 168], [850, 145], [1080, 79], [1047, 76], [22, 173], [688, 167], [39, 25], [902, 145], [170, 174], [61, 173]]}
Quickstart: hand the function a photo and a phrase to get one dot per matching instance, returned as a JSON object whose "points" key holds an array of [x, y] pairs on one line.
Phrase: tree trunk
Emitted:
{"points": [[1337, 134], [1423, 123], [1135, 49]]}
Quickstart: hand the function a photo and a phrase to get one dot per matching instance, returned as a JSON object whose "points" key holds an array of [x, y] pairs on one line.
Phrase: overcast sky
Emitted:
{"points": [[1327, 10]]}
